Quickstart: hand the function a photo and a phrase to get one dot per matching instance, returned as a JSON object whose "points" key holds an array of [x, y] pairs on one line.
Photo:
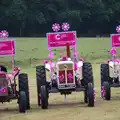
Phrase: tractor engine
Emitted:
{"points": [[65, 75], [114, 69]]}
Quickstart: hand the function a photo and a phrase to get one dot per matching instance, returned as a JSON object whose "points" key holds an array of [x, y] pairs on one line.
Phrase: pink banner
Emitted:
{"points": [[60, 39], [115, 40], [7, 47]]}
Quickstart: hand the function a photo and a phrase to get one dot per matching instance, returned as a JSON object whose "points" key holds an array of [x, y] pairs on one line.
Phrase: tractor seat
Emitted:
{"points": [[3, 69], [2, 74]]}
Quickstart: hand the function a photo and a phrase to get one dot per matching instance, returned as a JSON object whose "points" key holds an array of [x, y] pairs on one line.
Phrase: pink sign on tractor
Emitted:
{"points": [[60, 39], [7, 48], [115, 38]]}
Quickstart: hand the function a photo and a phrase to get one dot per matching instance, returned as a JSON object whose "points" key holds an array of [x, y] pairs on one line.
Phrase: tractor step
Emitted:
{"points": [[54, 90], [115, 85]]}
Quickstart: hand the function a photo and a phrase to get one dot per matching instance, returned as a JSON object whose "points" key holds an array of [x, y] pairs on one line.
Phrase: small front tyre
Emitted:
{"points": [[24, 86], [44, 97], [22, 102], [90, 94], [107, 90]]}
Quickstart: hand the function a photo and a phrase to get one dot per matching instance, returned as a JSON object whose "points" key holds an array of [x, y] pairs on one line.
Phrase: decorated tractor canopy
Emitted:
{"points": [[110, 73], [7, 46], [69, 73], [8, 85]]}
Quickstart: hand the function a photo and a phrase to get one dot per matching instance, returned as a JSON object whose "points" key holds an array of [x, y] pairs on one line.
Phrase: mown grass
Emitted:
{"points": [[32, 51]]}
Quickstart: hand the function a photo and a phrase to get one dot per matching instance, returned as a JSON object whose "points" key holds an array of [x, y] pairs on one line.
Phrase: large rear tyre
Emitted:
{"points": [[40, 80], [44, 97], [23, 86], [22, 102], [87, 74]]}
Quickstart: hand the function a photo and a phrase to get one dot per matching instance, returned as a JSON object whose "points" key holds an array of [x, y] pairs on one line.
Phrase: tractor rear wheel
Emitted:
{"points": [[87, 74], [40, 80], [23, 86]]}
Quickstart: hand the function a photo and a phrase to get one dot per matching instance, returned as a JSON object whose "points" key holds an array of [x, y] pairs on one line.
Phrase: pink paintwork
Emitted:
{"points": [[115, 40], [113, 52], [60, 39], [7, 48], [3, 90]]}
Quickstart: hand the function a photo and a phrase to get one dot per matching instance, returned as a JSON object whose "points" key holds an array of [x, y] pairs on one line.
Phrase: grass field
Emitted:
{"points": [[30, 52]]}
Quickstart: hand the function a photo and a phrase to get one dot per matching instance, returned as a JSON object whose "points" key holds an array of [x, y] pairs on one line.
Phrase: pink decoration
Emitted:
{"points": [[70, 76], [75, 54], [75, 66], [94, 95], [118, 29], [115, 40], [56, 27], [50, 56], [45, 62], [113, 52], [0, 34], [3, 90], [61, 78], [108, 60], [4, 34], [65, 26], [103, 92], [60, 39], [81, 59], [7, 48]]}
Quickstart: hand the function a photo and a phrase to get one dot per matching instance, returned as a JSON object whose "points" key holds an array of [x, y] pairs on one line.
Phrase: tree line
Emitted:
{"points": [[35, 17]]}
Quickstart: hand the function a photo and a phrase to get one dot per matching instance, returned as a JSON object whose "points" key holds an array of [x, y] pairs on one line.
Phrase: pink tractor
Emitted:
{"points": [[68, 74], [8, 85], [110, 72]]}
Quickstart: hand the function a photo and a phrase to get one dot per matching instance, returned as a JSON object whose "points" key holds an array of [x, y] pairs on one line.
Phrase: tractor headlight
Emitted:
{"points": [[111, 64], [54, 76], [80, 64], [47, 66]]}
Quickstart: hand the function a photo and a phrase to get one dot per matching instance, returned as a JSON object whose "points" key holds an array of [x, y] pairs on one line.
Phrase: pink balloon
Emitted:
{"points": [[113, 52]]}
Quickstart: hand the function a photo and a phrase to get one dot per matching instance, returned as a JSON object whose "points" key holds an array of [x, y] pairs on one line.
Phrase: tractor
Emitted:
{"points": [[110, 72], [8, 85], [68, 74]]}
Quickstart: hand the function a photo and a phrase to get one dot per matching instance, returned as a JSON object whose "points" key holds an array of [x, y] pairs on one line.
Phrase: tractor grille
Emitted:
{"points": [[66, 75]]}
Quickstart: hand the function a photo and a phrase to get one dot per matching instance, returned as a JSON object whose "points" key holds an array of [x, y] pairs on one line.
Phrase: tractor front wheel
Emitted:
{"points": [[90, 92], [107, 90], [44, 97], [22, 102]]}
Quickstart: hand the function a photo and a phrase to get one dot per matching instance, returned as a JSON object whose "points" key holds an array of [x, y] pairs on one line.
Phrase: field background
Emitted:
{"points": [[32, 52]]}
